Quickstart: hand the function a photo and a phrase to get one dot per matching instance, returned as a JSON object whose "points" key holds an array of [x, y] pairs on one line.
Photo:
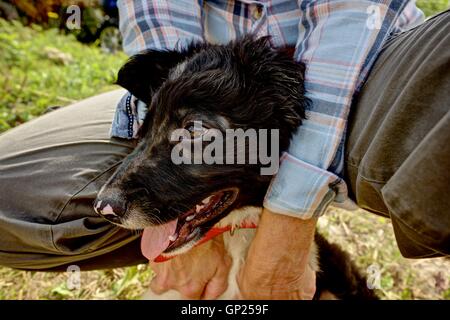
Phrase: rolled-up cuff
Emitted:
{"points": [[302, 190]]}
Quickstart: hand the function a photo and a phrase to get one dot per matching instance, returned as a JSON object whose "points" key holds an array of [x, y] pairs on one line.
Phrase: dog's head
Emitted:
{"points": [[204, 89]]}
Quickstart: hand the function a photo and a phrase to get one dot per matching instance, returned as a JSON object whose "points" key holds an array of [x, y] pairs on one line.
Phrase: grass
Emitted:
{"points": [[431, 7], [43, 68], [369, 239]]}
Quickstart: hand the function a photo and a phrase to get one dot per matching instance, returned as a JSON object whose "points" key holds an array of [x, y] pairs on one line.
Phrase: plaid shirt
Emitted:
{"points": [[338, 40]]}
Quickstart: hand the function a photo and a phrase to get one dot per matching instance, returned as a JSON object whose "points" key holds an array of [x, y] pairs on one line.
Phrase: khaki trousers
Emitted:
{"points": [[397, 159]]}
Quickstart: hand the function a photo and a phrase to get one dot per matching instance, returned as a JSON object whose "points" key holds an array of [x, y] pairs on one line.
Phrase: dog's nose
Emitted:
{"points": [[110, 205]]}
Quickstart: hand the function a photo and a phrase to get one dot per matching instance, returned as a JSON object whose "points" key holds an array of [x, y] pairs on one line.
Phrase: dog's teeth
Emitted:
{"points": [[198, 208], [206, 200], [173, 237], [189, 218]]}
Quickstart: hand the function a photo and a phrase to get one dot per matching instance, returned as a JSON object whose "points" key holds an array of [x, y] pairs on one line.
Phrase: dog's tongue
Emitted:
{"points": [[156, 239]]}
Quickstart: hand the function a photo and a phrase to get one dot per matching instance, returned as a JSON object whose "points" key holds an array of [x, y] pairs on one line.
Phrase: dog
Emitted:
{"points": [[246, 84]]}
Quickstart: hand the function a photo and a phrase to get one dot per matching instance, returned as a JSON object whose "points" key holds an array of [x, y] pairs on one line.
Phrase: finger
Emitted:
{"points": [[309, 288], [158, 288], [215, 288], [243, 292], [218, 283], [159, 284], [192, 290]]}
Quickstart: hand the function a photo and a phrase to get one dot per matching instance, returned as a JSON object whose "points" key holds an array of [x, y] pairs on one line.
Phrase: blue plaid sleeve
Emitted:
{"points": [[152, 25], [339, 41], [159, 24]]}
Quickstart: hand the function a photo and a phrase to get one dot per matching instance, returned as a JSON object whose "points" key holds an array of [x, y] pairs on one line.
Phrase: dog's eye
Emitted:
{"points": [[196, 130]]}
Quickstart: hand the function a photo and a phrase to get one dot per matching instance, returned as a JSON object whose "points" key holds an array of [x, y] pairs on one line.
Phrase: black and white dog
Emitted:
{"points": [[246, 84]]}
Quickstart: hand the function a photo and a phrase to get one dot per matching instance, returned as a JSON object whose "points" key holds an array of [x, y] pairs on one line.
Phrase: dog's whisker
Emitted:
{"points": [[155, 219]]}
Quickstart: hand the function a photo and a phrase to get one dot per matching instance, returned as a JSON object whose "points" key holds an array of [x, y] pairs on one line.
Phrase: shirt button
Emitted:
{"points": [[257, 12]]}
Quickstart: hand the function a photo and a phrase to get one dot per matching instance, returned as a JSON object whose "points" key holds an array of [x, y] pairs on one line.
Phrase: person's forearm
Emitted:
{"points": [[277, 231], [277, 261]]}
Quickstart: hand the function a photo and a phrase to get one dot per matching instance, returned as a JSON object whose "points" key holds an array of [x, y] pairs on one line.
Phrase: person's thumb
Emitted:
{"points": [[309, 284]]}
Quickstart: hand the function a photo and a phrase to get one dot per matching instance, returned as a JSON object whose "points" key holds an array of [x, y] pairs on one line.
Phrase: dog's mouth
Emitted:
{"points": [[189, 227], [189, 224]]}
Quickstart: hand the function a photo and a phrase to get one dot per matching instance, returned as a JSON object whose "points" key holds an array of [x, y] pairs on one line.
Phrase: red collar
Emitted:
{"points": [[213, 232]]}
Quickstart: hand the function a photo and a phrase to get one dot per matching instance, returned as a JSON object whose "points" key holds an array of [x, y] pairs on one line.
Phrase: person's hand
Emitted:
{"points": [[277, 262], [201, 273]]}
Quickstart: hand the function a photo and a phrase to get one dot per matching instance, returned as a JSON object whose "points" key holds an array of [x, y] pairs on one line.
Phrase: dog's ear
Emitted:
{"points": [[145, 72]]}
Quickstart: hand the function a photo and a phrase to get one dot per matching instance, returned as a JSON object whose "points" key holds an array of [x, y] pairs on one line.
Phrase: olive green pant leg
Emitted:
{"points": [[50, 171], [398, 146]]}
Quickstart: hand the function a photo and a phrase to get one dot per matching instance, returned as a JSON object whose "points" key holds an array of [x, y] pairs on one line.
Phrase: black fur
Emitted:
{"points": [[146, 72], [248, 83], [338, 274]]}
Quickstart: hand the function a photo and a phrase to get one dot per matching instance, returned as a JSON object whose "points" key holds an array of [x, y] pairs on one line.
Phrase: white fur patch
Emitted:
{"points": [[96, 208], [236, 217], [237, 246]]}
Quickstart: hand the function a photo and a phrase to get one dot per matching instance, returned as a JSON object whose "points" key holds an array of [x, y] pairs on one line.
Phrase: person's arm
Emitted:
{"points": [[158, 25], [411, 17], [339, 42], [277, 264]]}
